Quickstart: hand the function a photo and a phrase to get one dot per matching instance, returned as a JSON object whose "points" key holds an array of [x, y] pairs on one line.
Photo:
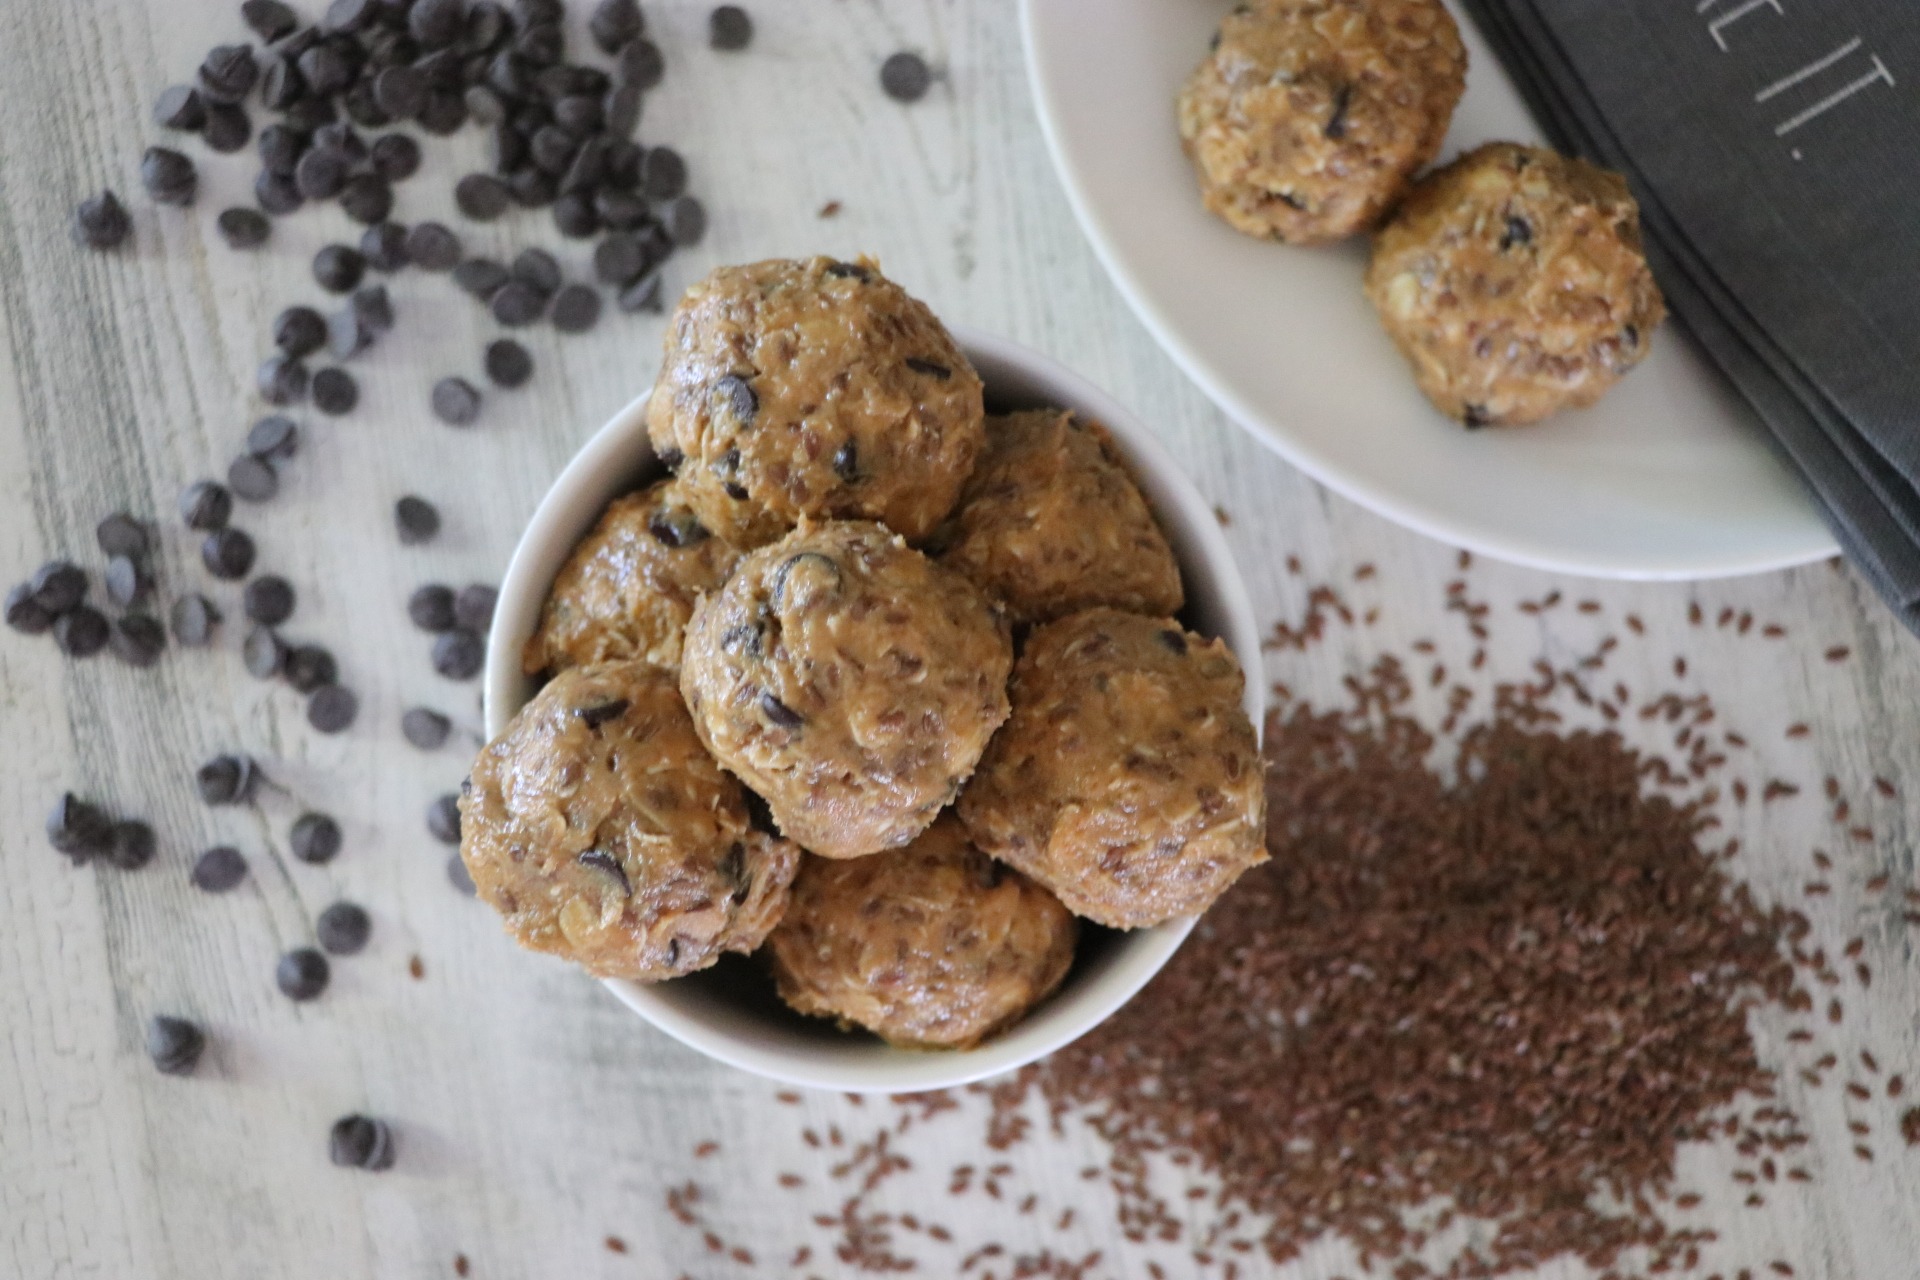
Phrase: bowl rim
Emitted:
{"points": [[609, 463]]}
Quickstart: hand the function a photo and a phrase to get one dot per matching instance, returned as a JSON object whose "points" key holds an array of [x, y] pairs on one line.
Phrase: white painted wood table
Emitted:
{"points": [[535, 1116]]}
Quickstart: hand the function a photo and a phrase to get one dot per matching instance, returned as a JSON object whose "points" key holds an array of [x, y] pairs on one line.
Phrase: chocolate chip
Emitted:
{"points": [[729, 28], [124, 581], [416, 519], [281, 148], [614, 22], [663, 173], [541, 43], [81, 632], [281, 380], [1337, 122], [310, 668], [443, 819], [517, 304], [473, 607], [58, 586], [740, 400], [686, 221], [846, 462], [313, 109], [24, 613], [269, 19], [455, 402], [579, 114], [320, 174], [484, 106], [748, 639], [357, 1142], [334, 391], [537, 269], [337, 269], [263, 653], [1518, 231], [79, 830], [1630, 336], [576, 308], [218, 869], [253, 479], [431, 607], [431, 247], [929, 367], [394, 156], [605, 863], [373, 308], [620, 211], [532, 189], [384, 246], [508, 364], [425, 728], [640, 65], [205, 505], [225, 779], [401, 91], [676, 527], [821, 575], [459, 654], [174, 1045], [905, 77], [281, 84], [779, 712], [595, 716], [481, 277], [277, 193], [437, 23], [460, 878], [227, 553], [481, 196], [643, 294], [269, 600], [227, 128], [1474, 416], [343, 929], [444, 113], [168, 176], [229, 72], [574, 216], [1172, 641], [619, 258], [301, 974], [101, 222], [346, 335], [849, 271], [131, 845], [352, 15], [367, 199], [299, 331], [193, 618], [331, 708], [179, 107], [670, 457], [314, 838], [620, 111]]}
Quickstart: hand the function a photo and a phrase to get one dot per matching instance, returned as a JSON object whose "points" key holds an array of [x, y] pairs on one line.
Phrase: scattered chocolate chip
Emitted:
{"points": [[372, 306], [581, 115], [394, 156], [205, 505], [532, 189], [384, 246], [779, 712], [281, 148], [227, 128], [168, 176], [605, 863], [281, 380], [269, 19], [321, 174], [401, 91], [905, 77], [484, 107], [121, 536], [332, 708], [137, 639], [729, 28], [621, 109], [459, 654], [517, 304], [299, 331], [124, 580], [574, 216], [263, 653], [686, 221], [1337, 121], [337, 269], [314, 838], [443, 819], [193, 618], [416, 519], [473, 607], [676, 527], [358, 1142], [269, 600], [614, 22], [58, 586], [227, 553], [131, 845], [846, 462], [229, 72], [218, 869], [24, 613], [431, 607], [81, 632], [347, 337], [576, 308], [508, 364], [739, 398], [275, 437], [595, 716], [460, 878], [640, 65], [455, 401], [431, 247], [343, 929], [481, 196], [1474, 416], [225, 779], [253, 479], [310, 668], [425, 728], [537, 269], [101, 222], [619, 258], [620, 210], [643, 294], [281, 85], [480, 277], [334, 391], [367, 199], [174, 1045], [1518, 231], [301, 974], [79, 830], [670, 457], [277, 193]]}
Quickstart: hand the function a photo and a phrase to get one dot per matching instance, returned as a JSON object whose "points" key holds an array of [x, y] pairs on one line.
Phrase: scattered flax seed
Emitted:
{"points": [[1636, 626], [1838, 653], [1896, 1085], [1879, 883], [1221, 514], [801, 1256], [1694, 613], [416, 967], [1364, 572], [1589, 606], [461, 1266], [1816, 889], [1860, 1091], [1781, 1267], [1726, 616], [830, 209], [1834, 1012], [1910, 1126], [1798, 731], [1465, 560], [1885, 787], [1680, 667], [616, 1245], [741, 1256], [705, 1149], [789, 1097], [1864, 1152], [791, 1180]]}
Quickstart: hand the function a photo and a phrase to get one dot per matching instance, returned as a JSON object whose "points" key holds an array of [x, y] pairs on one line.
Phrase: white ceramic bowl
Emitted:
{"points": [[730, 1012]]}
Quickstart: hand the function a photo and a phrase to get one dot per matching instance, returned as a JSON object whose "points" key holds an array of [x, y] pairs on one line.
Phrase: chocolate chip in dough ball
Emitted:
{"points": [[1515, 284], [1127, 779], [778, 373], [850, 681], [602, 831], [1309, 118], [935, 946]]}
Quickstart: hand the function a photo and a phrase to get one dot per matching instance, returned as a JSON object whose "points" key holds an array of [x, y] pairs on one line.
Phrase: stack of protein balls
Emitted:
{"points": [[886, 684]]}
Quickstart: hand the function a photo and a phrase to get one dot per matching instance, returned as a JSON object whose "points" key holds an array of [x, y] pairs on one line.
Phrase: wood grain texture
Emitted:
{"points": [[535, 1115]]}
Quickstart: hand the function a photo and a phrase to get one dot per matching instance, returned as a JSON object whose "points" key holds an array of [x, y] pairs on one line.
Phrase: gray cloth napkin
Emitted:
{"points": [[1774, 146]]}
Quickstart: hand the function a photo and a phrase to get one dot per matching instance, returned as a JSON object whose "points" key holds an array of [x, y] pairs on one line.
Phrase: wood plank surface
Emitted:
{"points": [[536, 1116]]}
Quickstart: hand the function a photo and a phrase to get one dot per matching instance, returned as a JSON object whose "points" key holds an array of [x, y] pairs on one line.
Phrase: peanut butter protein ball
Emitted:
{"points": [[850, 681], [1051, 523], [629, 586], [1310, 117], [813, 388], [936, 946], [602, 831], [1127, 779], [1514, 282]]}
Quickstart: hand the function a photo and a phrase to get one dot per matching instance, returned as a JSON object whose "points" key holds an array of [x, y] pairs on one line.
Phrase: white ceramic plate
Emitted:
{"points": [[730, 1012], [1669, 477]]}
